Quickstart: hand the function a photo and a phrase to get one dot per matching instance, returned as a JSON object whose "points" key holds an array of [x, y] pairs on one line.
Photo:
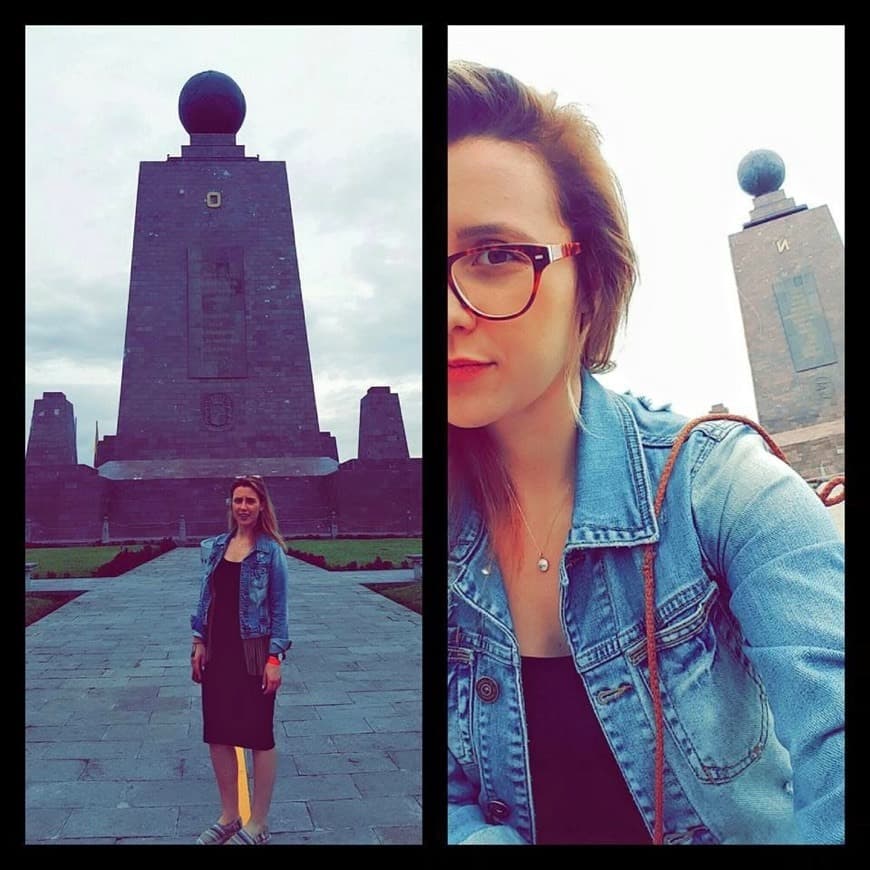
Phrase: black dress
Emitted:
{"points": [[235, 711], [579, 793]]}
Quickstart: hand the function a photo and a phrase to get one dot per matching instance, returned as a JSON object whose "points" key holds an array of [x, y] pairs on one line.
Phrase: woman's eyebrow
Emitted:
{"points": [[479, 231]]}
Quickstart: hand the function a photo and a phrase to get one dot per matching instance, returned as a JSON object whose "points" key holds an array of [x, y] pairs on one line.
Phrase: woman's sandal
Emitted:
{"points": [[243, 838], [218, 834]]}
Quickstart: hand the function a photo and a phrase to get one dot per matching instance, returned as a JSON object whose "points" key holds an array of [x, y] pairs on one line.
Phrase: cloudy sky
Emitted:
{"points": [[678, 108], [341, 106]]}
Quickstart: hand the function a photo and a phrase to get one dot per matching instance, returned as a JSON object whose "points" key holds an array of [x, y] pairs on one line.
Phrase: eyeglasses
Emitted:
{"points": [[499, 282]]}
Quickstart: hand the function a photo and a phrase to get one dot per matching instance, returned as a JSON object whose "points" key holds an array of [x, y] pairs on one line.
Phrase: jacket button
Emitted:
{"points": [[487, 689], [498, 810]]}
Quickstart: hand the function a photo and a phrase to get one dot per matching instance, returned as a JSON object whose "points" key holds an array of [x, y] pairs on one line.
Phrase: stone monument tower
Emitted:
{"points": [[789, 264], [216, 377], [381, 429], [381, 487], [64, 500], [216, 361], [52, 439]]}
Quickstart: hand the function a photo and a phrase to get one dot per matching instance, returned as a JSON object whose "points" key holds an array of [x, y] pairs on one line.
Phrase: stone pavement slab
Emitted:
{"points": [[113, 724]]}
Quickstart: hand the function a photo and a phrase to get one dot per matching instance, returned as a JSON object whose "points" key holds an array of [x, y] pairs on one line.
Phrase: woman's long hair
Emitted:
{"points": [[485, 102], [267, 522]]}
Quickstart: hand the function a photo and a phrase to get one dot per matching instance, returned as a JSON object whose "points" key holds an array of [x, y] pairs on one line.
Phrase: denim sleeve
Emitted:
{"points": [[279, 601], [764, 530], [466, 825], [196, 619]]}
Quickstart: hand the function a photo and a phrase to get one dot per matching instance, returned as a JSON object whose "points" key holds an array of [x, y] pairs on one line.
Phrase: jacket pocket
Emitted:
{"points": [[258, 583], [459, 701], [714, 703]]}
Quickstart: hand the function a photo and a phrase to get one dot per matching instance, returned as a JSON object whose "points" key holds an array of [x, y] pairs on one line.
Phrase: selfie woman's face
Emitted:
{"points": [[501, 192], [246, 507]]}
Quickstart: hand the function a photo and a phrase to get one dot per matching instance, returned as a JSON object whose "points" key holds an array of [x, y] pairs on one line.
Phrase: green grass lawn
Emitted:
{"points": [[75, 561], [39, 604], [340, 552], [408, 594]]}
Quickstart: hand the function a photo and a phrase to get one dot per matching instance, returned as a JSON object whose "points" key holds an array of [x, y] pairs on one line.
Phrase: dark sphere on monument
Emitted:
{"points": [[761, 172], [211, 102]]}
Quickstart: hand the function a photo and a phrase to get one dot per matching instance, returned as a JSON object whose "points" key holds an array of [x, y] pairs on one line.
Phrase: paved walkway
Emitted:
{"points": [[114, 750]]}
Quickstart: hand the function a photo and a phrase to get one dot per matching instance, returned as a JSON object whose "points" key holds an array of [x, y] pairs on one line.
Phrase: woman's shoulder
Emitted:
{"points": [[268, 544], [211, 545], [212, 541], [659, 425], [714, 447]]}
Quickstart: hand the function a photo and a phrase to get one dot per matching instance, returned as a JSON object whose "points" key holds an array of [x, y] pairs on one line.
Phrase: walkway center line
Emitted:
{"points": [[244, 798]]}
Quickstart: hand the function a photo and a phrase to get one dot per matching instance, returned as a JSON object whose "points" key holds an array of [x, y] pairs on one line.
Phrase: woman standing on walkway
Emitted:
{"points": [[240, 635], [592, 699]]}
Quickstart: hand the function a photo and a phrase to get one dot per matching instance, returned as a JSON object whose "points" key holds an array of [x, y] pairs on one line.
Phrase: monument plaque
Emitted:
{"points": [[216, 312], [804, 322]]}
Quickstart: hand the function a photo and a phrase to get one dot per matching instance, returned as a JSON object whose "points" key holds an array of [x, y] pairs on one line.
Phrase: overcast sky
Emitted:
{"points": [[341, 106], [678, 108]]}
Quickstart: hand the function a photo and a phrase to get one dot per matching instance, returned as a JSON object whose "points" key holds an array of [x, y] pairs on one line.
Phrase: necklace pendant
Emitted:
{"points": [[543, 564]]}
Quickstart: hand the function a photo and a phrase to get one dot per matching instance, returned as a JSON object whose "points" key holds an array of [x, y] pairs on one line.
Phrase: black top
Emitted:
{"points": [[225, 632], [579, 793]]}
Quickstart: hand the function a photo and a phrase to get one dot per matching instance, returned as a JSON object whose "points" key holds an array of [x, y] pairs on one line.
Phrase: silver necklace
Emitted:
{"points": [[543, 562]]}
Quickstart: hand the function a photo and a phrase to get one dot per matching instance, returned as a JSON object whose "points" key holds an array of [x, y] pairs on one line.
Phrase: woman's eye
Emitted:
{"points": [[498, 257]]}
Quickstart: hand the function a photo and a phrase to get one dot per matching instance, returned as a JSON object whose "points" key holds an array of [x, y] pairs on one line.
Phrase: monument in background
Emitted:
{"points": [[52, 438], [789, 264], [216, 377], [380, 469], [381, 431]]}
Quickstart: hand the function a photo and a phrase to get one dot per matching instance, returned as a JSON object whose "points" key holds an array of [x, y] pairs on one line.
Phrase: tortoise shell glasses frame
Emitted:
{"points": [[539, 257]]}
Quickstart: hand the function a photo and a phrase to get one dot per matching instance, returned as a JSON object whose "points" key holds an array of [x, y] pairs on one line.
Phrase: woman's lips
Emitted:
{"points": [[460, 371]]}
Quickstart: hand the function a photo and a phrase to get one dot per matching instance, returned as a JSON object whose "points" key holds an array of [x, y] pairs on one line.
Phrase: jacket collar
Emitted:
{"points": [[613, 501]]}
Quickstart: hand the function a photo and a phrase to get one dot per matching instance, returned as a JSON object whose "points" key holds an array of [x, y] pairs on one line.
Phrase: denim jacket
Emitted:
{"points": [[263, 587], [749, 613]]}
